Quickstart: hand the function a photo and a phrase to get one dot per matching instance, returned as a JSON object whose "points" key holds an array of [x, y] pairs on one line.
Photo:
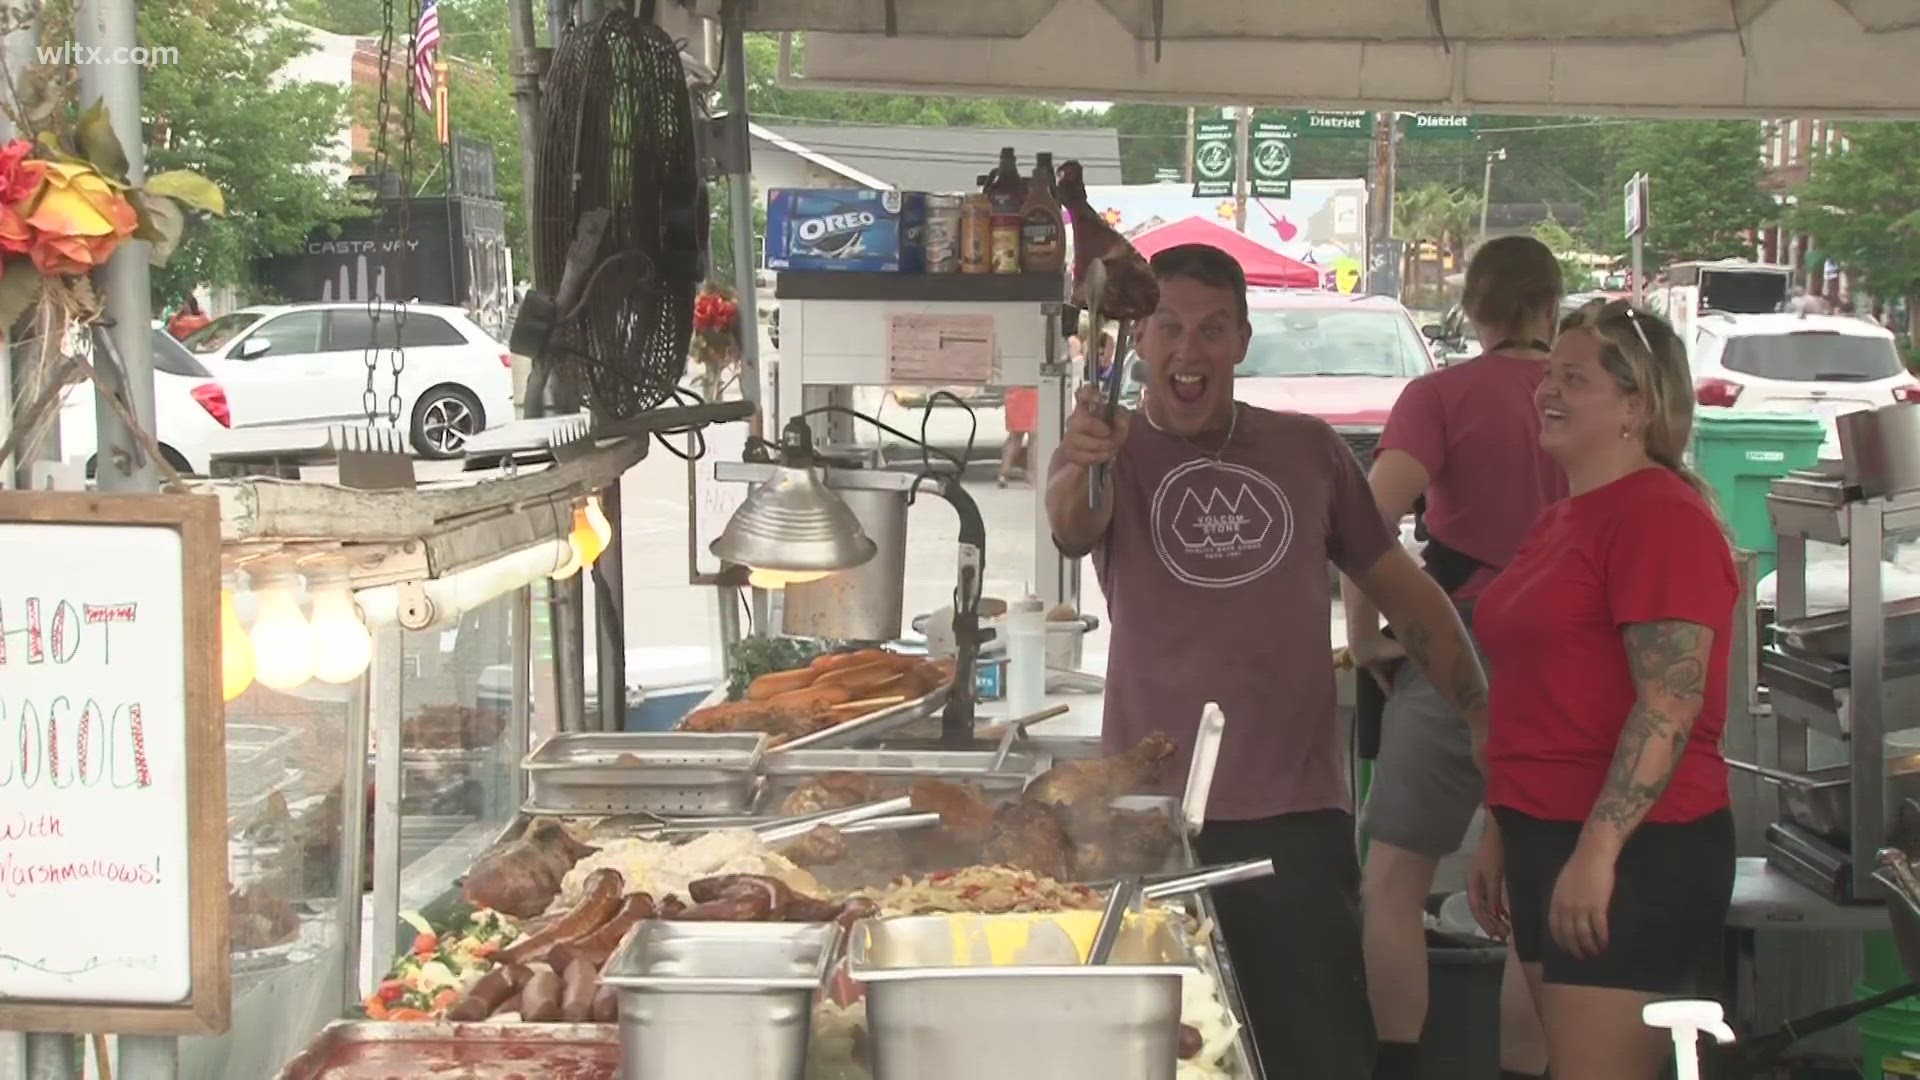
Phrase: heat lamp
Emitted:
{"points": [[796, 529], [793, 529]]}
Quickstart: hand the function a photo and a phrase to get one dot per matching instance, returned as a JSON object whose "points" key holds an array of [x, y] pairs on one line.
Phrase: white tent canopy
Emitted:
{"points": [[1764, 58]]}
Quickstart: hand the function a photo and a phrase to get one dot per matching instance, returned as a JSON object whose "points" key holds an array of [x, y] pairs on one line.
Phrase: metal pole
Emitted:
{"points": [[519, 717], [108, 26], [1243, 128], [387, 698], [526, 67], [353, 837], [18, 48], [1186, 169], [1486, 190], [1639, 270], [740, 201], [609, 577]]}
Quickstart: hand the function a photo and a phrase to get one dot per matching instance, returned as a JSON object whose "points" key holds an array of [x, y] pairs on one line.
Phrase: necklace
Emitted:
{"points": [[1233, 422]]}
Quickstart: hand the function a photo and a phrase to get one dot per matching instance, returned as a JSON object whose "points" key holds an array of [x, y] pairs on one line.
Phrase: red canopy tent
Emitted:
{"points": [[1264, 267]]}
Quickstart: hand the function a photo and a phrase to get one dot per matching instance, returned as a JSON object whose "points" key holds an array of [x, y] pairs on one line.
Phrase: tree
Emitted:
{"points": [[1862, 209], [1706, 187], [1574, 274], [1152, 137], [218, 111]]}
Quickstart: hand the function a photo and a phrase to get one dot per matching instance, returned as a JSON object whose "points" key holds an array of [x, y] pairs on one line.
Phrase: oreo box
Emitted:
{"points": [[851, 229]]}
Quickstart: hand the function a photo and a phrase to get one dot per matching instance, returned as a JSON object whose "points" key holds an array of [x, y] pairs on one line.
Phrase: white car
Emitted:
{"points": [[1824, 365], [190, 411], [305, 365]]}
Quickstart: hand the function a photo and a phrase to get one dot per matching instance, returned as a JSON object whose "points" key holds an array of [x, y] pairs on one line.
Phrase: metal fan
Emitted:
{"points": [[618, 238]]}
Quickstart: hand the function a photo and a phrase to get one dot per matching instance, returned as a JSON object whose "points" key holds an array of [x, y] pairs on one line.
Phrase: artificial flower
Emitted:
{"points": [[20, 176], [78, 221], [16, 236]]}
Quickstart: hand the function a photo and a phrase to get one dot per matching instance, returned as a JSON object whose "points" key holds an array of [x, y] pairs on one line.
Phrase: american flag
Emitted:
{"points": [[426, 45]]}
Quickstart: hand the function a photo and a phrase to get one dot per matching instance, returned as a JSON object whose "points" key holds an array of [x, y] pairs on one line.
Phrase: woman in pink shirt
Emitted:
{"points": [[1465, 441]]}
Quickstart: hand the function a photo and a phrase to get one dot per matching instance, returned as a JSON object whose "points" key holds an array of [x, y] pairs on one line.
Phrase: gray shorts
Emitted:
{"points": [[1425, 787]]}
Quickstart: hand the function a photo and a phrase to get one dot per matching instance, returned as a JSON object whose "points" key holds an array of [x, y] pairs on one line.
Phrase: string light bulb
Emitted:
{"points": [[281, 636], [342, 646], [585, 539], [236, 649], [597, 519]]}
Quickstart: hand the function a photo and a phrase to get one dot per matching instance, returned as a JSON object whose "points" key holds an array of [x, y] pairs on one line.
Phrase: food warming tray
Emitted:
{"points": [[790, 771], [629, 772], [871, 726], [931, 1018], [719, 999], [1830, 634], [366, 1050]]}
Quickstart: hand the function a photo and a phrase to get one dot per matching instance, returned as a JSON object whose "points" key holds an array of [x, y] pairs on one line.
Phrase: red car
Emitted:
{"points": [[1344, 359]]}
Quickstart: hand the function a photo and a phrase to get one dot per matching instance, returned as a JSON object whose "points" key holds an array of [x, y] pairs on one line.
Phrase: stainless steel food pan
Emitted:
{"points": [[719, 999], [931, 1019], [672, 772], [1821, 800]]}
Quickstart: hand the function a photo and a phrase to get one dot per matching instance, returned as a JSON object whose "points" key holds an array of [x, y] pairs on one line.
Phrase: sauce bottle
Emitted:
{"points": [[1043, 241], [1005, 195], [976, 230]]}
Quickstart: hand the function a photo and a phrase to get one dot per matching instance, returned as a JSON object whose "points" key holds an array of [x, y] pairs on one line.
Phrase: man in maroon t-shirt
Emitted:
{"points": [[1212, 546]]}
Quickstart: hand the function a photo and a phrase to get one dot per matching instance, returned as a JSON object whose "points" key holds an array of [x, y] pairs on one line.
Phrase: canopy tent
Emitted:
{"points": [[1265, 267], [1762, 58]]}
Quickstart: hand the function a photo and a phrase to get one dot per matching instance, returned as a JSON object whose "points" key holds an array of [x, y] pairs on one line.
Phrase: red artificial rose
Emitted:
{"points": [[16, 236], [20, 178]]}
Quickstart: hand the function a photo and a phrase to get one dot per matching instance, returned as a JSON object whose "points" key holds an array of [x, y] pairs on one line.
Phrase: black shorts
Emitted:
{"points": [[1672, 886]]}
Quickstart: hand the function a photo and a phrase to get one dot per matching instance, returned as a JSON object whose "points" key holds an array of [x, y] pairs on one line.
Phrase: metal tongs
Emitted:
{"points": [[1017, 729], [1094, 282]]}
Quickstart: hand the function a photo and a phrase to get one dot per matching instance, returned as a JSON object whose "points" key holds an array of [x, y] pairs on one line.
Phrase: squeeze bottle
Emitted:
{"points": [[1026, 657]]}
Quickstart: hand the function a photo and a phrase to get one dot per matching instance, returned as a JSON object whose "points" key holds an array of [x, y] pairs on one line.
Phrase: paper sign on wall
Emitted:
{"points": [[107, 717], [939, 350]]}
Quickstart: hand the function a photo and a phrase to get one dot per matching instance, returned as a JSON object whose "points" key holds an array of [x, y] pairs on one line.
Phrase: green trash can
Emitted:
{"points": [[1739, 454]]}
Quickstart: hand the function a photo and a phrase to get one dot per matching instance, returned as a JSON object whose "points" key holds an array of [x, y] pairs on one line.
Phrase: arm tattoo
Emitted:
{"points": [[1668, 662], [1464, 686]]}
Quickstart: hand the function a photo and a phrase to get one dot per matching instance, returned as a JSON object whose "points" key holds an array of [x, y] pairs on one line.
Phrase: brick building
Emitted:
{"points": [[1787, 153]]}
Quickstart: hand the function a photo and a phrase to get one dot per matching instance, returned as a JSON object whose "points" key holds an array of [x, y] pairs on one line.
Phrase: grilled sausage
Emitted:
{"points": [[598, 944], [779, 682], [671, 907], [598, 903], [606, 1006], [1191, 1041], [540, 1000], [577, 988]]}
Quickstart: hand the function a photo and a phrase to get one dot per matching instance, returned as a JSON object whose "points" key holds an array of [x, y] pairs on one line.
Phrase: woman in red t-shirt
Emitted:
{"points": [[1610, 856]]}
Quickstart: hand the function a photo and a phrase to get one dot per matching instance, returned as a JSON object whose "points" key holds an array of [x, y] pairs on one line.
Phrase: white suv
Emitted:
{"points": [[189, 412], [304, 365], [1825, 365]]}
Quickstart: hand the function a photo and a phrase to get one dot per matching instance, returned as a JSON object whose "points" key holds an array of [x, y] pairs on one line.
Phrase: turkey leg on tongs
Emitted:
{"points": [[1111, 281]]}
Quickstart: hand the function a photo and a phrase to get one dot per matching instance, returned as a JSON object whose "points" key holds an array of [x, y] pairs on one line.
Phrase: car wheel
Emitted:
{"points": [[174, 458], [443, 420]]}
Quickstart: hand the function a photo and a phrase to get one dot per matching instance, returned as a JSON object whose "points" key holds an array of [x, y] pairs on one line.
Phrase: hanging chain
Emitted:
{"points": [[382, 117]]}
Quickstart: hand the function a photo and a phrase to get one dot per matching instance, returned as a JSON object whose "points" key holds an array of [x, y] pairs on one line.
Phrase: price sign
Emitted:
{"points": [[713, 501], [113, 840]]}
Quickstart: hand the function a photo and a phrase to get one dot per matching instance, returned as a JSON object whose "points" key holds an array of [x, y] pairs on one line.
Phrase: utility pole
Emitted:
{"points": [[109, 27], [1486, 189], [1187, 153], [1382, 170], [1242, 136]]}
